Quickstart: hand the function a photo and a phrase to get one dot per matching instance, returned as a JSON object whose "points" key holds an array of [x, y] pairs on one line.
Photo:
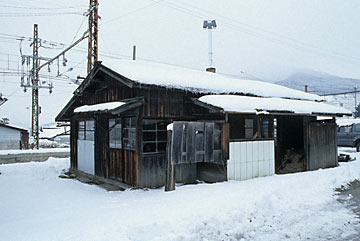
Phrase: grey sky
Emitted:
{"points": [[263, 39]]}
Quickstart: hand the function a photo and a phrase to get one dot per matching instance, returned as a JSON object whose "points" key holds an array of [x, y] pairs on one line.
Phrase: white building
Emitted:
{"points": [[13, 138]]}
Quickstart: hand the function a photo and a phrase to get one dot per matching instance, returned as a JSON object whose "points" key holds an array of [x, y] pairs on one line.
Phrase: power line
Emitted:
{"points": [[42, 8], [133, 11], [341, 93], [254, 31]]}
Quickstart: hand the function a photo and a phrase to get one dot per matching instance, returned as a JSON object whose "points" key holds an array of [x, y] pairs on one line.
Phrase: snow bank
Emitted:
{"points": [[201, 81], [245, 104], [37, 205], [99, 107]]}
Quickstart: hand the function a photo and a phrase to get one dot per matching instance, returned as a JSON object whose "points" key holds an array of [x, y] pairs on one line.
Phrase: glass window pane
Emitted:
{"points": [[90, 135], [133, 122], [115, 133], [249, 128], [90, 125], [161, 125], [149, 147], [266, 128], [161, 146], [149, 136], [149, 125], [161, 136], [81, 130], [249, 123], [357, 127]]}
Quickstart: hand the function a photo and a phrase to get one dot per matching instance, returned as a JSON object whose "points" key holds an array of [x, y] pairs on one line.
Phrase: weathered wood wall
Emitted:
{"points": [[101, 145], [73, 143], [322, 146], [123, 166]]}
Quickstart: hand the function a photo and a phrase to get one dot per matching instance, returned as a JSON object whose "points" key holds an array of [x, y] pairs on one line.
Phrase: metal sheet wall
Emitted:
{"points": [[250, 159]]}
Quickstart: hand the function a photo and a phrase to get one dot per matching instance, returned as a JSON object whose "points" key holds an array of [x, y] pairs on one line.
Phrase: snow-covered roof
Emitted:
{"points": [[99, 107], [13, 127], [347, 122], [200, 81], [245, 104], [50, 132]]}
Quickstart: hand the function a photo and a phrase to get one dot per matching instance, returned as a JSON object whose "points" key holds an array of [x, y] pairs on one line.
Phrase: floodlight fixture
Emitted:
{"points": [[209, 24]]}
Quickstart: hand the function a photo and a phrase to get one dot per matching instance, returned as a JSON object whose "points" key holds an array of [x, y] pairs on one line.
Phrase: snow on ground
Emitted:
{"points": [[37, 205], [34, 151]]}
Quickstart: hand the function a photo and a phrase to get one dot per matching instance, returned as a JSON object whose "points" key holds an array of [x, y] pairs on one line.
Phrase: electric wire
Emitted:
{"points": [[290, 42]]}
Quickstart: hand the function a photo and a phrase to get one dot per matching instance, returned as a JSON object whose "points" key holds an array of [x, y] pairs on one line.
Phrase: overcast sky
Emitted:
{"points": [[260, 39]]}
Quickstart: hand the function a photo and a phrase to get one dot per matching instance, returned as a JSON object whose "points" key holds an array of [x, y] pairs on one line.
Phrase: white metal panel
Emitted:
{"points": [[86, 156], [250, 159], [9, 139]]}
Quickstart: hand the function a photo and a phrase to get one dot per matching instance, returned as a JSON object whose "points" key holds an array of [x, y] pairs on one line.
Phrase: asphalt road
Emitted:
{"points": [[354, 202]]}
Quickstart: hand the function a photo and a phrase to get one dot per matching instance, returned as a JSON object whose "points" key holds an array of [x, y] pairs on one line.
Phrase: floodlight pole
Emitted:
{"points": [[211, 61], [210, 24]]}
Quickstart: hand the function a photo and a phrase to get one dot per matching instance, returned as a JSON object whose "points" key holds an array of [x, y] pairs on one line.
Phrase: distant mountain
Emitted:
{"points": [[320, 83]]}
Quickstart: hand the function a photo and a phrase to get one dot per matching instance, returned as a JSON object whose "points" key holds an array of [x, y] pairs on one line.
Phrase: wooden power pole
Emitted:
{"points": [[93, 49], [35, 89]]}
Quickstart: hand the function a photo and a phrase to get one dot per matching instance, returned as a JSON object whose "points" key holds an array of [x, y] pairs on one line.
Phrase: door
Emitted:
{"points": [[322, 146], [86, 146], [344, 136]]}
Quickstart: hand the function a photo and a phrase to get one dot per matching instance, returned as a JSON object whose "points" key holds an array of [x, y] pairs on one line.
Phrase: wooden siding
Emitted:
{"points": [[322, 146], [101, 144], [152, 171], [123, 166], [73, 143]]}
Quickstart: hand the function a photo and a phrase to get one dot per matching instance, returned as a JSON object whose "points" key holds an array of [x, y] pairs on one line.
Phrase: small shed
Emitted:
{"points": [[119, 115], [13, 138]]}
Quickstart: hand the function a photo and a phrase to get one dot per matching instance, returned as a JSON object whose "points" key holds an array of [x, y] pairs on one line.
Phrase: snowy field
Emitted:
{"points": [[37, 205]]}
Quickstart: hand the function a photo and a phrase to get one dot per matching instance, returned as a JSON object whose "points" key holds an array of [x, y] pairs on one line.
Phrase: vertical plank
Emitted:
{"points": [[225, 141], [170, 176]]}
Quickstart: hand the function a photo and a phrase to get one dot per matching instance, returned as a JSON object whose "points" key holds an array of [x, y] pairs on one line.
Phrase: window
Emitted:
{"points": [[154, 136], [130, 133], [357, 127], [115, 133], [345, 129], [265, 127], [249, 128], [86, 130]]}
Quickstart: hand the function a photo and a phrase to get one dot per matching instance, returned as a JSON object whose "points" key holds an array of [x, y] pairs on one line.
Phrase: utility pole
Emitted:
{"points": [[93, 49], [35, 90], [355, 98]]}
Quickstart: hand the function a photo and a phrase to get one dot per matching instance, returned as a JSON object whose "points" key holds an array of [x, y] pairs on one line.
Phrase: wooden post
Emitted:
{"points": [[134, 52], [170, 169]]}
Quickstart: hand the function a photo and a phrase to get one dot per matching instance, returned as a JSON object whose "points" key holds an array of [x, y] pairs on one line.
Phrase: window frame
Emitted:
{"points": [[247, 128], [129, 133], [117, 142], [159, 133], [86, 130]]}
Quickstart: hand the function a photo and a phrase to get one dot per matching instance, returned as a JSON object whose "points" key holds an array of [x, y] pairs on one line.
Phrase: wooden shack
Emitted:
{"points": [[119, 115]]}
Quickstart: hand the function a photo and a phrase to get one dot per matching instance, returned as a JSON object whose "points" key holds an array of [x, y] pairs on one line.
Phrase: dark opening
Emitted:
{"points": [[290, 144]]}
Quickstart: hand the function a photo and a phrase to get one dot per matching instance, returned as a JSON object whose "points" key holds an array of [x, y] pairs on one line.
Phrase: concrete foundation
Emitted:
{"points": [[31, 157]]}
